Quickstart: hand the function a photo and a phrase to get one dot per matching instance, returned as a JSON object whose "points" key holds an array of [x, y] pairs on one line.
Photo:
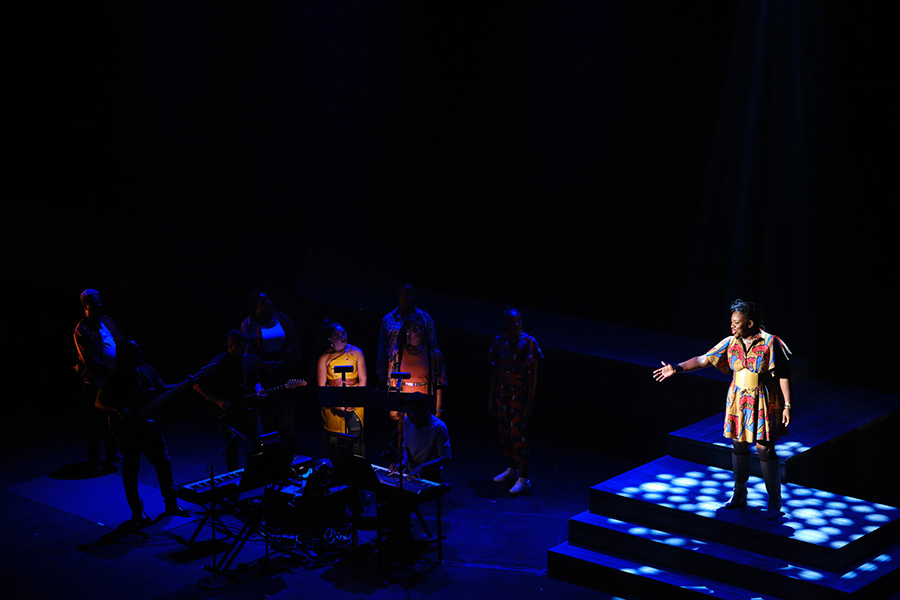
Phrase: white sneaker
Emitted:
{"points": [[520, 486], [506, 475]]}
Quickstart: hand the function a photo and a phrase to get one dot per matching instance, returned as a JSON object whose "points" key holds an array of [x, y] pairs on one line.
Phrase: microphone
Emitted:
{"points": [[237, 433]]}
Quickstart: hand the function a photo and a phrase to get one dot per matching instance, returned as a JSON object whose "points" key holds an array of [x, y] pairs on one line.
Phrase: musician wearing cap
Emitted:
{"points": [[426, 441], [425, 452], [758, 409]]}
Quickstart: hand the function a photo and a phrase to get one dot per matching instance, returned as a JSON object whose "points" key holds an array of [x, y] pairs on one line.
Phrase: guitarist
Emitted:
{"points": [[132, 385], [235, 376]]}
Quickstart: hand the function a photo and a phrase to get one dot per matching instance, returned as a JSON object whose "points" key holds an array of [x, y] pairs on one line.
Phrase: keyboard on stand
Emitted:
{"points": [[419, 489], [204, 490]]}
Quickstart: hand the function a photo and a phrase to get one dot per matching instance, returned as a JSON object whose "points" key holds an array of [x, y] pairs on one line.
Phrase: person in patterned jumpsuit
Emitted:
{"points": [[514, 360], [758, 407]]}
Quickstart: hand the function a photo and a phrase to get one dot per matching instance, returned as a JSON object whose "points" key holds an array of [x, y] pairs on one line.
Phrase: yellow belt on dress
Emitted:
{"points": [[746, 379]]}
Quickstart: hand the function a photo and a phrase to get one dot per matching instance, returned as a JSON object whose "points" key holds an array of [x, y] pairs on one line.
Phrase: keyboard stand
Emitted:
{"points": [[413, 503], [211, 517], [216, 580], [251, 525], [439, 538], [253, 513]]}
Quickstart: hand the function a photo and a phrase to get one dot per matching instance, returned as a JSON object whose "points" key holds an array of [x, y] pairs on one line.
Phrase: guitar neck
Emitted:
{"points": [[275, 389], [268, 391], [148, 408], [278, 388]]}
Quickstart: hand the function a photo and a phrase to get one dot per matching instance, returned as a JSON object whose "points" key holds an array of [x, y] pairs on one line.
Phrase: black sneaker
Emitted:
{"points": [[138, 518], [174, 510]]}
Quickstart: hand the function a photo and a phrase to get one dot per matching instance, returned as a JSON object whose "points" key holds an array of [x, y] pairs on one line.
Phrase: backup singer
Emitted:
{"points": [[514, 358], [415, 355], [389, 336], [273, 340], [339, 352]]}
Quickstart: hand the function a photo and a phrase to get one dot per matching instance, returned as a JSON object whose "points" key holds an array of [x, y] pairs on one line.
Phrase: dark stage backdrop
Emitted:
{"points": [[637, 162]]}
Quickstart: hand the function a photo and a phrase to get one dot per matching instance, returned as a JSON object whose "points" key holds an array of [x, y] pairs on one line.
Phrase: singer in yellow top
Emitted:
{"points": [[340, 352]]}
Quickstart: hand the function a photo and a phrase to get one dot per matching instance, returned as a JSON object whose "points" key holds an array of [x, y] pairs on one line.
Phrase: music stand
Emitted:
{"points": [[345, 397], [345, 441], [265, 466], [331, 396], [354, 470]]}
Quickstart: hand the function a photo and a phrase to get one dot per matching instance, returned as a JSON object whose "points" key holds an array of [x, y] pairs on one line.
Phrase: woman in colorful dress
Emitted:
{"points": [[514, 360], [340, 419], [758, 408]]}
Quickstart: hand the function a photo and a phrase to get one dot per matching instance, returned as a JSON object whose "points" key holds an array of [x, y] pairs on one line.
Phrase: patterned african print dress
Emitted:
{"points": [[514, 361], [755, 402]]}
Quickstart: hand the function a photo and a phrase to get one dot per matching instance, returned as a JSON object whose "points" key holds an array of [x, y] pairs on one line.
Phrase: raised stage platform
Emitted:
{"points": [[828, 423], [660, 529]]}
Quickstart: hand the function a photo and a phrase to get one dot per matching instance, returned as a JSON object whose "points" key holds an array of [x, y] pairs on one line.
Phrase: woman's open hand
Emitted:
{"points": [[664, 372]]}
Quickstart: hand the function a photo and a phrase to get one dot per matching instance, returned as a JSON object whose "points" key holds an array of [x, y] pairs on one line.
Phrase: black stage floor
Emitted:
{"points": [[60, 532]]}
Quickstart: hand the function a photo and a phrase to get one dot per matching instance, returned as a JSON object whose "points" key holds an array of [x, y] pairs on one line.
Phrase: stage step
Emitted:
{"points": [[825, 418], [818, 528], [661, 525], [620, 575], [729, 564]]}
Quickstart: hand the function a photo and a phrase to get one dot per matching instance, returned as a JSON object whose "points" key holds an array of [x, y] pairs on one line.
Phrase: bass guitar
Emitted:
{"points": [[140, 416]]}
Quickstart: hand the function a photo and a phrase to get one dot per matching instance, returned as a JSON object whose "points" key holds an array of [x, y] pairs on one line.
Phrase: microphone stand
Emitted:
{"points": [[400, 425], [354, 501], [344, 399], [343, 370], [399, 377]]}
